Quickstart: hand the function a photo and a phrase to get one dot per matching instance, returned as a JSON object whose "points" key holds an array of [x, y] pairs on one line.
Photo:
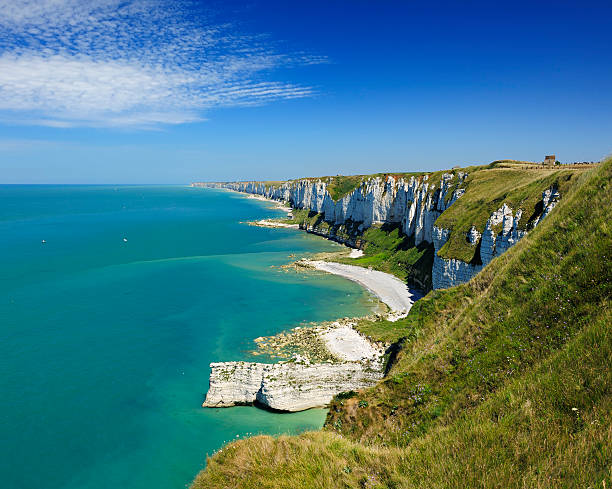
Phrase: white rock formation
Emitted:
{"points": [[234, 383], [411, 203], [415, 204], [287, 386], [493, 242]]}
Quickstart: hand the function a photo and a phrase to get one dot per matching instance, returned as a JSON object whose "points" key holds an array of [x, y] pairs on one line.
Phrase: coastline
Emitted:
{"points": [[325, 359], [276, 204], [267, 223], [389, 289]]}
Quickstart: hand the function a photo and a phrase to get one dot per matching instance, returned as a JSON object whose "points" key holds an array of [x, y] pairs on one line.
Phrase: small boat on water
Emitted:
{"points": [[125, 240]]}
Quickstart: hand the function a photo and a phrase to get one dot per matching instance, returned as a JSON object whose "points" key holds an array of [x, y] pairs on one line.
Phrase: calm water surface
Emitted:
{"points": [[105, 343]]}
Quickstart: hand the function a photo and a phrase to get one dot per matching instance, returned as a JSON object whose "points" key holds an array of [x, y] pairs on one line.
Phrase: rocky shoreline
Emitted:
{"points": [[287, 387], [322, 361], [333, 358]]}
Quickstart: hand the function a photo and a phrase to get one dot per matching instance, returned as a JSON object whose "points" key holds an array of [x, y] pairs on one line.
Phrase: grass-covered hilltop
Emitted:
{"points": [[502, 381]]}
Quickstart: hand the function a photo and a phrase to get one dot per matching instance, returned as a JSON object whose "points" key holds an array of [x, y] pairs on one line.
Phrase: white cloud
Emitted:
{"points": [[135, 63]]}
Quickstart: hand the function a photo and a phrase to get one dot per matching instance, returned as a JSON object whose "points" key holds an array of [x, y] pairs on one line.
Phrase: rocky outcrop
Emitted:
{"points": [[501, 233], [414, 204], [287, 386]]}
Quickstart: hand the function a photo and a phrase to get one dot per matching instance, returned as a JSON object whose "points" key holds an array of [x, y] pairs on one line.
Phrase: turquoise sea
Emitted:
{"points": [[105, 343]]}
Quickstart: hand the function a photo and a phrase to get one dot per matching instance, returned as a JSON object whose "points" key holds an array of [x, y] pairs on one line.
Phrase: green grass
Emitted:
{"points": [[437, 304], [386, 331], [486, 190], [502, 382], [387, 249], [306, 217], [522, 307], [339, 186], [525, 435]]}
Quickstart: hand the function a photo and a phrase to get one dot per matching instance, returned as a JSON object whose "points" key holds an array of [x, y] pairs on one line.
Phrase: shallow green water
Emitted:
{"points": [[105, 343]]}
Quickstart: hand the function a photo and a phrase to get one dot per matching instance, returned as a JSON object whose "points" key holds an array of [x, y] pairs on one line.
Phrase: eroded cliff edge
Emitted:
{"points": [[463, 217], [468, 216], [288, 386], [504, 379], [307, 380]]}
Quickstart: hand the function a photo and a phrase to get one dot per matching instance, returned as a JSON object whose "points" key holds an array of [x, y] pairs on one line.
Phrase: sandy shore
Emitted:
{"points": [[389, 289]]}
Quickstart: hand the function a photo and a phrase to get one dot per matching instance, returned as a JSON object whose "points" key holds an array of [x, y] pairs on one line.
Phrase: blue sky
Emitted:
{"points": [[156, 91]]}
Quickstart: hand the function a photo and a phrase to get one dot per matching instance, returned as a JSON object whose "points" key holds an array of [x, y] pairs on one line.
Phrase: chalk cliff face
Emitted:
{"points": [[287, 386], [449, 272], [414, 204]]}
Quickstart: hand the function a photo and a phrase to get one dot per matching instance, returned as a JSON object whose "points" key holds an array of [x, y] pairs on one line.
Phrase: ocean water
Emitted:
{"points": [[105, 343]]}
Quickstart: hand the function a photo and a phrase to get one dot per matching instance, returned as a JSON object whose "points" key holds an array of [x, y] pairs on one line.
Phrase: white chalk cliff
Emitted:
{"points": [[287, 386], [449, 272], [414, 204]]}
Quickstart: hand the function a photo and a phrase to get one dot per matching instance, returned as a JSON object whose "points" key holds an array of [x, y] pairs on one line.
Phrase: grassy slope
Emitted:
{"points": [[485, 385], [466, 341], [487, 189], [526, 435], [340, 186]]}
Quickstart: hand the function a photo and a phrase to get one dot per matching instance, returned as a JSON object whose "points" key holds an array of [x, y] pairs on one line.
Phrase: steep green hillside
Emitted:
{"points": [[502, 382], [487, 189]]}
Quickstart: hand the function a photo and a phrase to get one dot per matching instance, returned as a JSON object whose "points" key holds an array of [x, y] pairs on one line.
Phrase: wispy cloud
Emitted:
{"points": [[130, 63]]}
